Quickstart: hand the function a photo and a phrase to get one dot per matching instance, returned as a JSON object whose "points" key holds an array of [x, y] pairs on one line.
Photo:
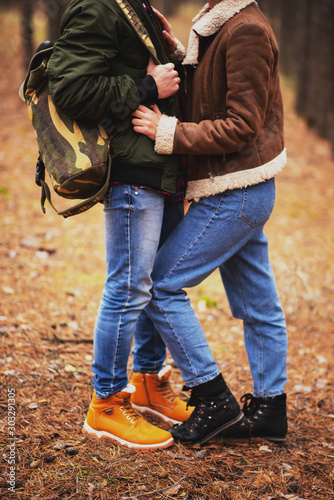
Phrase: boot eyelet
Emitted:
{"points": [[128, 417], [132, 421], [121, 408]]}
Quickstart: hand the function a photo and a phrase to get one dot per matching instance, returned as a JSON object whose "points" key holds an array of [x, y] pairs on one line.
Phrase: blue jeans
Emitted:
{"points": [[136, 220], [223, 231]]}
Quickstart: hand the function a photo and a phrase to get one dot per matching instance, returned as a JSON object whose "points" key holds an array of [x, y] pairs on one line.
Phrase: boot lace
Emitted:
{"points": [[200, 418], [127, 409], [194, 399], [165, 389], [251, 405]]}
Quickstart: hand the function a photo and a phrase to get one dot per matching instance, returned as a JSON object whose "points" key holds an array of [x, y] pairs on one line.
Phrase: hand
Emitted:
{"points": [[146, 120], [166, 31], [166, 78]]}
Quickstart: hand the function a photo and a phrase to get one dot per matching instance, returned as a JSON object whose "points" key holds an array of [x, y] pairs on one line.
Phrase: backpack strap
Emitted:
{"points": [[44, 50], [138, 27]]}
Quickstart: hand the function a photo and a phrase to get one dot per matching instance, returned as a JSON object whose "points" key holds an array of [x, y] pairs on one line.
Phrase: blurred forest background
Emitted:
{"points": [[52, 272], [304, 29]]}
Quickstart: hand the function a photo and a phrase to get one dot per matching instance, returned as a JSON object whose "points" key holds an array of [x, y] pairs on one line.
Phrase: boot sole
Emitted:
{"points": [[246, 440], [149, 411], [274, 439], [228, 425], [89, 431]]}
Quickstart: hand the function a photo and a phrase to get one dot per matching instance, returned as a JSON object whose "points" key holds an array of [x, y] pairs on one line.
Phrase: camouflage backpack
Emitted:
{"points": [[74, 153]]}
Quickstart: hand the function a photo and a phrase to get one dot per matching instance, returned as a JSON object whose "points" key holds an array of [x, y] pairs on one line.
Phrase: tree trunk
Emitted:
{"points": [[26, 31], [54, 10], [287, 37], [304, 70], [320, 66], [272, 10]]}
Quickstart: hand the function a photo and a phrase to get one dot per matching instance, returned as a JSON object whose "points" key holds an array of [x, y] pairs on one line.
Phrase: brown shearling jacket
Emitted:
{"points": [[234, 124]]}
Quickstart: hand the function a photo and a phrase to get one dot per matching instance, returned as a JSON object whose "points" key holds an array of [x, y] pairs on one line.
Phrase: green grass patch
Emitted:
{"points": [[209, 302]]}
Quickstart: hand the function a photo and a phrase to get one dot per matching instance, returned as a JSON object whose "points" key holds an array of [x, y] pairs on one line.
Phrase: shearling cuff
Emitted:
{"points": [[164, 140], [179, 53]]}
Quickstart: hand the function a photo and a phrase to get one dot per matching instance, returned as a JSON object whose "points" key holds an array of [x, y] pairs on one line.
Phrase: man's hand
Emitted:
{"points": [[166, 78], [166, 30]]}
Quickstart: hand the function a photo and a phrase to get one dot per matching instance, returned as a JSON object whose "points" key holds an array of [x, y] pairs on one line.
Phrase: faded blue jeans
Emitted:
{"points": [[135, 220], [223, 231]]}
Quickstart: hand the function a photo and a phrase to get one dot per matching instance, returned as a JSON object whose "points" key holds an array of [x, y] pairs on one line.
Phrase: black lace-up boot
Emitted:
{"points": [[212, 414], [265, 417]]}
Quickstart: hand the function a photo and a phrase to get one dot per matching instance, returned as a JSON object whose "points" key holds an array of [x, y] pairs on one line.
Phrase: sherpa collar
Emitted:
{"points": [[209, 21]]}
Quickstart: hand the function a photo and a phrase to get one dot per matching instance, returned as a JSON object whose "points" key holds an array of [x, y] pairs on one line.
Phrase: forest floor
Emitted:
{"points": [[51, 279]]}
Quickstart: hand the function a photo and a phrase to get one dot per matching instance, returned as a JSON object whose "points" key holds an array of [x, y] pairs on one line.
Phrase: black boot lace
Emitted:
{"points": [[194, 399], [201, 417], [250, 406]]}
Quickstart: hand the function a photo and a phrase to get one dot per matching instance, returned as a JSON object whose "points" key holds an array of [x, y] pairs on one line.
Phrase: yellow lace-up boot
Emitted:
{"points": [[115, 419], [155, 396]]}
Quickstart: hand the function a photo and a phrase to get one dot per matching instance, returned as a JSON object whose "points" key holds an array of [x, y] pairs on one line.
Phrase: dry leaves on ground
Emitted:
{"points": [[52, 274]]}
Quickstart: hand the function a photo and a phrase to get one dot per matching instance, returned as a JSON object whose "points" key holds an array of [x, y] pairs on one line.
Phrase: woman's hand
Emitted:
{"points": [[166, 30], [146, 120]]}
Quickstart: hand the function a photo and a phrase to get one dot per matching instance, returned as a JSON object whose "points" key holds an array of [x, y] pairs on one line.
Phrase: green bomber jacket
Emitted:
{"points": [[92, 72]]}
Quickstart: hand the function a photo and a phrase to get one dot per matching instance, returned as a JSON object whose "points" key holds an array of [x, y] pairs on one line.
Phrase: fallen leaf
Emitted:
{"points": [[173, 489], [265, 448]]}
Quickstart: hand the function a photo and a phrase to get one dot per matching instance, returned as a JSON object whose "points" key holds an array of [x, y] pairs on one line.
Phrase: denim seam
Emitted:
{"points": [[127, 299], [260, 365], [193, 242], [176, 337], [156, 352], [269, 394], [202, 380]]}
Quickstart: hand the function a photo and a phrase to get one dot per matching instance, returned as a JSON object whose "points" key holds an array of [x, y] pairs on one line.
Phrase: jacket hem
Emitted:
{"points": [[131, 174], [207, 187], [164, 141]]}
